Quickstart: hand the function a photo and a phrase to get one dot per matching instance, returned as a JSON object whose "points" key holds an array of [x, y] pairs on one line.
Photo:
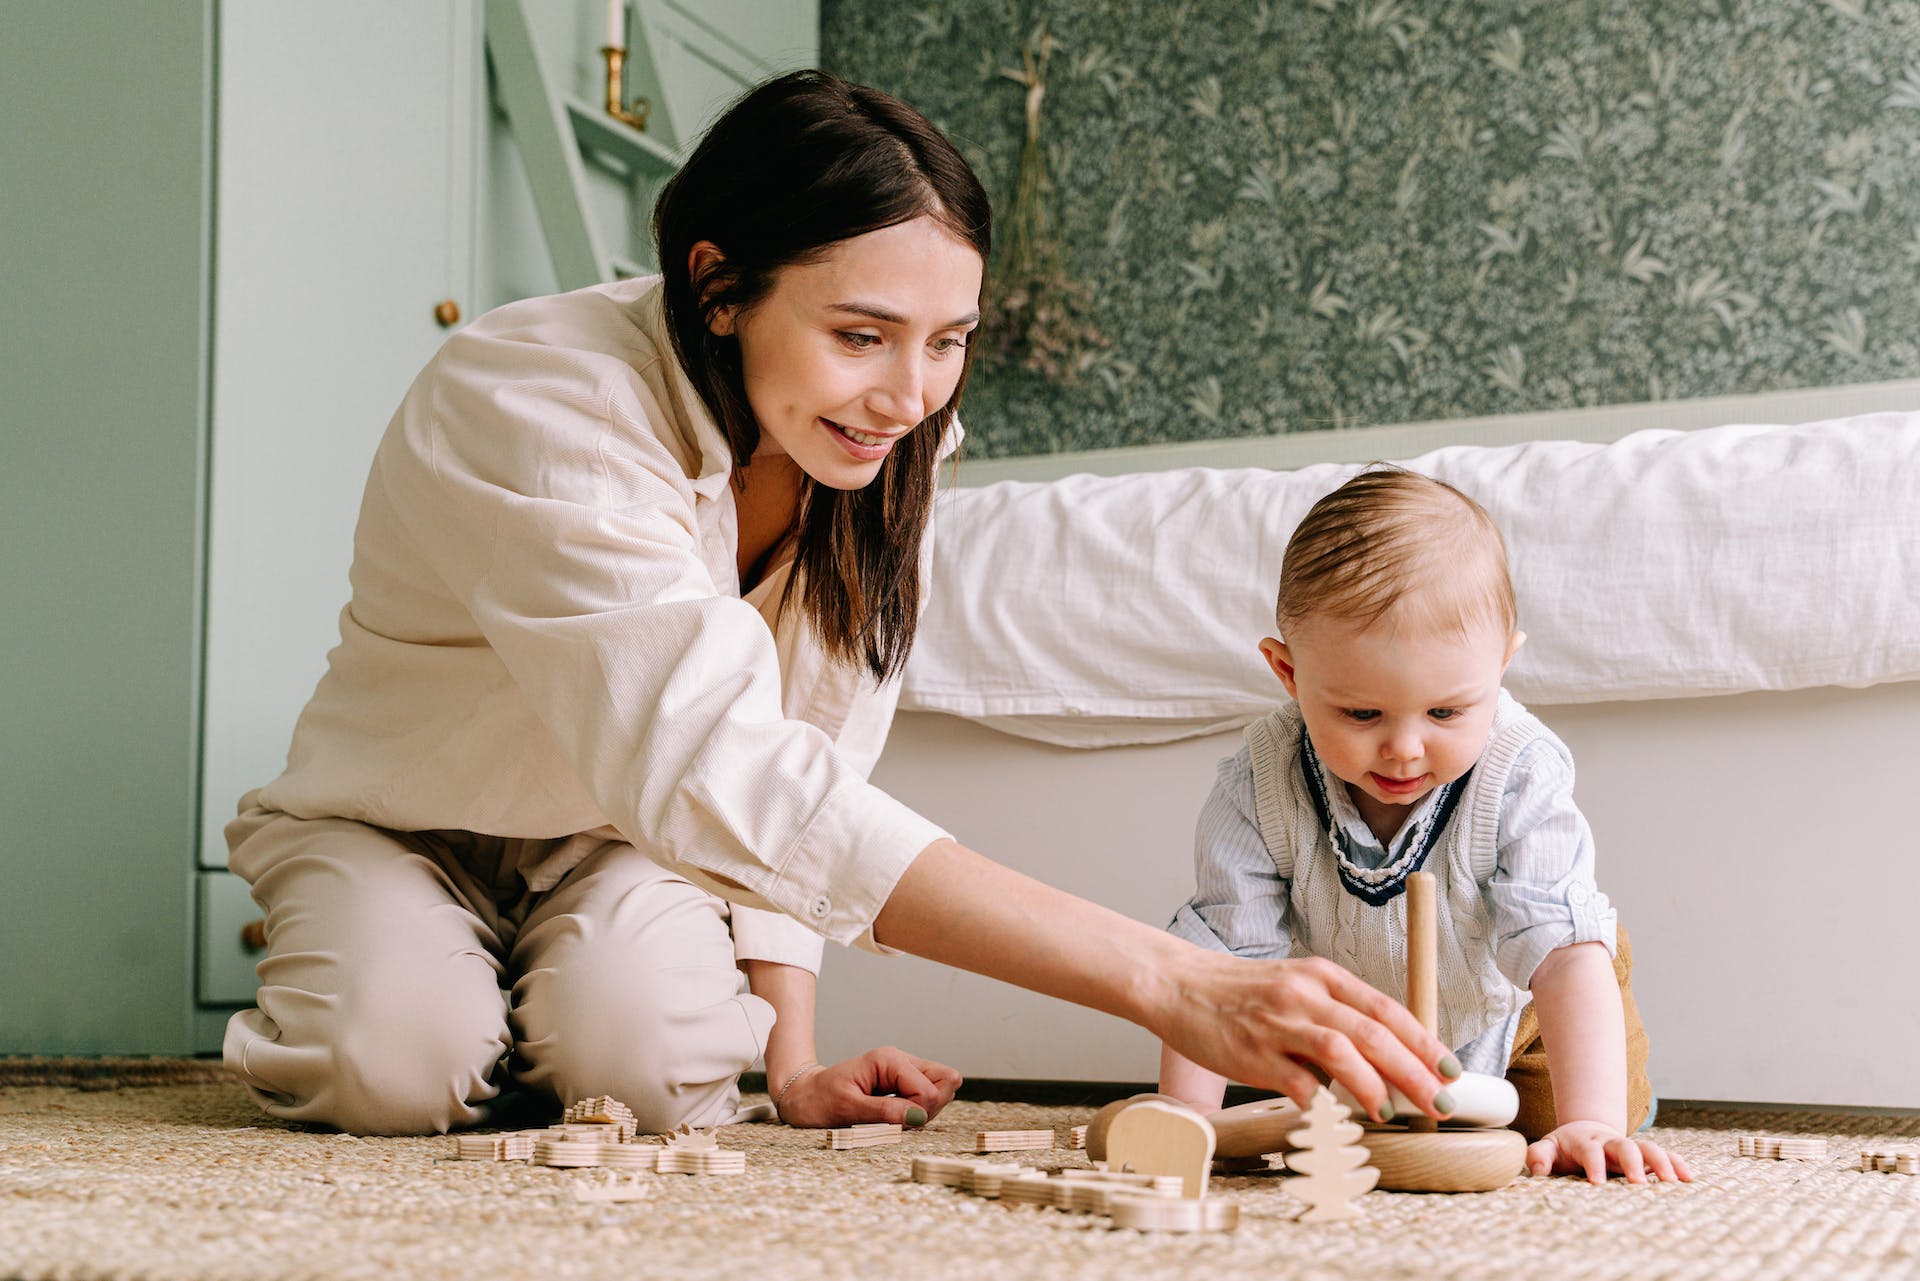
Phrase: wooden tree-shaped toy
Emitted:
{"points": [[1331, 1157]]}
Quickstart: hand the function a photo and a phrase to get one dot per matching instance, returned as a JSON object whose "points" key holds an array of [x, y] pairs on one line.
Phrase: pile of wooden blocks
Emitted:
{"points": [[1143, 1201], [1891, 1158], [602, 1110], [1781, 1147], [599, 1133]]}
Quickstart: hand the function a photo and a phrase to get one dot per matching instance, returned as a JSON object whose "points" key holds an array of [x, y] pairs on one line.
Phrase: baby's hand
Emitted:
{"points": [[1596, 1149]]}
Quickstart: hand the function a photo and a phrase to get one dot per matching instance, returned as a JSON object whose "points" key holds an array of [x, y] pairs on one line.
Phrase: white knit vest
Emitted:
{"points": [[1330, 922]]}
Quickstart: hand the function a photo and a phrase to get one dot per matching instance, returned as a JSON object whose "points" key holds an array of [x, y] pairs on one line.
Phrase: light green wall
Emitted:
{"points": [[1300, 214], [103, 285]]}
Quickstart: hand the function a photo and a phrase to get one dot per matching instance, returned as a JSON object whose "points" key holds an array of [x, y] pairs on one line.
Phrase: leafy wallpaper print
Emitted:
{"points": [[1300, 214]]}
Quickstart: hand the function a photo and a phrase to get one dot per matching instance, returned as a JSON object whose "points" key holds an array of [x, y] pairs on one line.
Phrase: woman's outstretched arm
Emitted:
{"points": [[1258, 1022]]}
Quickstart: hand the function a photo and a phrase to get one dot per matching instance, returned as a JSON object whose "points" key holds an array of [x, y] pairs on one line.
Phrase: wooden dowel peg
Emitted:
{"points": [[1423, 989], [1423, 985]]}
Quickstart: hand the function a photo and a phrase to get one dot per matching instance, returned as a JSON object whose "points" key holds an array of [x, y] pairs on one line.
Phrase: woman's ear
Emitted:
{"points": [[1280, 659], [704, 262]]}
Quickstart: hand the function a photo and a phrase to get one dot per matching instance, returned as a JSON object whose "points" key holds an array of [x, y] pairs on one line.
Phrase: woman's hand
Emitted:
{"points": [[1264, 1022], [1595, 1149], [881, 1085]]}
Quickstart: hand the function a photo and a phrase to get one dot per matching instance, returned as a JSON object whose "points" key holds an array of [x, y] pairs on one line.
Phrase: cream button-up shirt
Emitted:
{"points": [[546, 637]]}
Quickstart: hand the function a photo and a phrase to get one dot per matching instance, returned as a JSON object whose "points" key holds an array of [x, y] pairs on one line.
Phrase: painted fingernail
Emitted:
{"points": [[1450, 1067], [1443, 1103], [916, 1116], [1386, 1112]]}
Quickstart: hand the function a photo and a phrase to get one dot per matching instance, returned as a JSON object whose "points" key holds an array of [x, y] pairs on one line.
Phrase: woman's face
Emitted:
{"points": [[847, 354]]}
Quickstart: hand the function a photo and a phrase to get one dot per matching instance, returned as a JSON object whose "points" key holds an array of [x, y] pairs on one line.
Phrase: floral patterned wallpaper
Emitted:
{"points": [[1300, 214]]}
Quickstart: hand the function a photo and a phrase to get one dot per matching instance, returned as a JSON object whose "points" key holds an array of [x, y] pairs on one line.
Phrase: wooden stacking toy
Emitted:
{"points": [[1470, 1151]]}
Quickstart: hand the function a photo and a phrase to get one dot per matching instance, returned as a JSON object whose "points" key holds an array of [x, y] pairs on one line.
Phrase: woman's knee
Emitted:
{"points": [[415, 1056], [380, 1008], [406, 1055], [661, 1021]]}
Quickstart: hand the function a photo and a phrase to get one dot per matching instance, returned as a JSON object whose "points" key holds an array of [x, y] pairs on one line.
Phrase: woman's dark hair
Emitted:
{"points": [[795, 166]]}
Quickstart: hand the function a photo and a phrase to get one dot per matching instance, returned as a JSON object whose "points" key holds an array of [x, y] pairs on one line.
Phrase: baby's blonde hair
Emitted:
{"points": [[1394, 542]]}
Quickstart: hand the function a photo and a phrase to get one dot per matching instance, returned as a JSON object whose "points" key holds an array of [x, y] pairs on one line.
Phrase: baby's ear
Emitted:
{"points": [[1280, 659], [1513, 647]]}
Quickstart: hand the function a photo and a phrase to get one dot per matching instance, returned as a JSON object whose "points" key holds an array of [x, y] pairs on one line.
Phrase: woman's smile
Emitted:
{"points": [[866, 446]]}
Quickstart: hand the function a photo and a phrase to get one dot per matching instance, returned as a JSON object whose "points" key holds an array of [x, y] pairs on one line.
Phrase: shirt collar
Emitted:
{"points": [[1358, 842], [691, 419]]}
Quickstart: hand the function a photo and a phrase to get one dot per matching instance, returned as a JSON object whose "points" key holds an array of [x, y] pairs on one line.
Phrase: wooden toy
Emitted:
{"points": [[947, 1171], [1485, 1102], [1781, 1147], [1156, 1137], [1094, 1195], [1173, 1214], [1421, 1156], [603, 1140], [568, 1153], [702, 1161], [1479, 1156], [601, 1110], [584, 1132], [1077, 1136], [1096, 1140], [690, 1151], [1079, 1192], [1889, 1158], [517, 1146], [1034, 1187], [988, 1177], [1330, 1156], [870, 1135], [611, 1189], [1012, 1140], [630, 1156]]}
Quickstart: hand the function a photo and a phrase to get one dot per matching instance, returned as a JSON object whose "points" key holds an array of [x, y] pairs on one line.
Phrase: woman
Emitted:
{"points": [[636, 571]]}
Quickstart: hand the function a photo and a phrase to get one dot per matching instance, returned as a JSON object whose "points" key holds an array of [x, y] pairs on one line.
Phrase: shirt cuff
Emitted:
{"points": [[775, 936], [845, 867], [1591, 920], [1186, 924]]}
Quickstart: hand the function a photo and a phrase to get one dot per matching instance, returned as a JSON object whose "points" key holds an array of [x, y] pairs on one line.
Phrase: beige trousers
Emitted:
{"points": [[411, 976]]}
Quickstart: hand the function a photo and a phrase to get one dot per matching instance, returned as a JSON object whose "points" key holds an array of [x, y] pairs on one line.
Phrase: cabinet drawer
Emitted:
{"points": [[226, 960]]}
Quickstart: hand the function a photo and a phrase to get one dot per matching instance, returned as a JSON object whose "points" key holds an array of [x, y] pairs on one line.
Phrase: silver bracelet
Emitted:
{"points": [[798, 1072]]}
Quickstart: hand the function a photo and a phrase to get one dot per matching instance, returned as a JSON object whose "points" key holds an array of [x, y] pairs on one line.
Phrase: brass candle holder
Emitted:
{"points": [[634, 115]]}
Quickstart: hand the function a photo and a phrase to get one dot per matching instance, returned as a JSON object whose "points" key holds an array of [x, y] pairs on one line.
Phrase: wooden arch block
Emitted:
{"points": [[1155, 1137]]}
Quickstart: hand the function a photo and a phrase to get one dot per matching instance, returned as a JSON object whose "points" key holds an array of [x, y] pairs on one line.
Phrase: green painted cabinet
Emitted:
{"points": [[344, 242], [344, 217], [216, 287], [105, 163]]}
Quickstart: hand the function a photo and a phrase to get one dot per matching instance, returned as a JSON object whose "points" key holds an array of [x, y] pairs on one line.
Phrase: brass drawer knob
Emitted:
{"points": [[253, 936], [447, 312]]}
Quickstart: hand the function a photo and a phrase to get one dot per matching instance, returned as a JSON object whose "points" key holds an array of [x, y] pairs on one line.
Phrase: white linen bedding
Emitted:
{"points": [[1095, 611]]}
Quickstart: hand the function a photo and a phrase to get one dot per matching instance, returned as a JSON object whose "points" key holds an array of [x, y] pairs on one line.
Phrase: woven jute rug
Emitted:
{"points": [[159, 1179]]}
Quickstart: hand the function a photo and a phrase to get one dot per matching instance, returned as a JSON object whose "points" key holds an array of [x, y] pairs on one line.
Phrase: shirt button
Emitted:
{"points": [[819, 908], [1577, 894]]}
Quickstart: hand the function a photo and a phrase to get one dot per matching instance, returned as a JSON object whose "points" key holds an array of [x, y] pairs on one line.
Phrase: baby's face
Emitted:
{"points": [[1394, 715]]}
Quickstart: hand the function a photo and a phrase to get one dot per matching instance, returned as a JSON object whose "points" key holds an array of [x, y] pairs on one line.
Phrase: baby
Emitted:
{"points": [[1400, 753]]}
